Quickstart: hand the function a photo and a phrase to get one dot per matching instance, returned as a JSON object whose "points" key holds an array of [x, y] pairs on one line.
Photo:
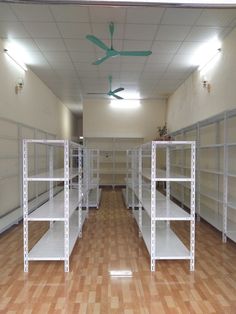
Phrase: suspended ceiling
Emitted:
{"points": [[53, 38]]}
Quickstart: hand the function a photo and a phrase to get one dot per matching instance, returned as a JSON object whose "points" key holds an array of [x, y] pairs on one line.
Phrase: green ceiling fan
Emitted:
{"points": [[111, 92], [111, 52]]}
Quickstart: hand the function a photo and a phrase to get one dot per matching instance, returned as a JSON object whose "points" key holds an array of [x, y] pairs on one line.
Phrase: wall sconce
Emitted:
{"points": [[206, 85], [19, 85]]}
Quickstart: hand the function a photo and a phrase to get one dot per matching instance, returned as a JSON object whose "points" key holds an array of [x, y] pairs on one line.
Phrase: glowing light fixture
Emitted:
{"points": [[125, 104], [16, 58], [207, 53], [121, 273], [81, 137]]}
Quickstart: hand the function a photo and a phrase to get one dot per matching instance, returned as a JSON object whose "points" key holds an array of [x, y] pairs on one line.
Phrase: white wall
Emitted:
{"points": [[191, 102], [100, 120], [35, 105]]}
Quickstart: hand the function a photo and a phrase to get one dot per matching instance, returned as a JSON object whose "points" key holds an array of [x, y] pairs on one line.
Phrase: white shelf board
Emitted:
{"points": [[56, 175], [212, 171], [51, 245], [83, 216], [214, 195], [231, 174], [93, 201], [161, 176], [232, 235], [166, 210], [53, 210], [168, 245], [211, 217], [212, 145]]}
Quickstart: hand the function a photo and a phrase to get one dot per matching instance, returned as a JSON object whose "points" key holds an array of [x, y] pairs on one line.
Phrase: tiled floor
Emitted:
{"points": [[110, 242]]}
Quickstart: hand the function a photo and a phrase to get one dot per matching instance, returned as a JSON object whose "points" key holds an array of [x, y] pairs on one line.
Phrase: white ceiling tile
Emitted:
{"points": [[216, 17], [36, 58], [132, 67], [50, 44], [79, 45], [70, 13], [189, 47], [105, 14], [129, 76], [162, 46], [140, 31], [61, 66], [24, 44], [105, 74], [32, 12], [67, 73], [110, 66], [137, 45], [88, 74], [202, 33], [180, 16], [133, 60], [155, 67], [176, 75], [74, 30], [147, 75], [160, 58], [57, 56], [144, 15], [6, 14], [78, 56], [13, 30], [85, 66], [181, 62], [42, 30], [171, 32]]}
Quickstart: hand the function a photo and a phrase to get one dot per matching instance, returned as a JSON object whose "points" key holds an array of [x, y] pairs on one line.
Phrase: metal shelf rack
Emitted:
{"points": [[156, 210], [215, 172], [60, 210], [91, 177]]}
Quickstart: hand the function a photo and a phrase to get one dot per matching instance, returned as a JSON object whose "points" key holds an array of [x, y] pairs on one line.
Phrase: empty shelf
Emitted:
{"points": [[168, 245]]}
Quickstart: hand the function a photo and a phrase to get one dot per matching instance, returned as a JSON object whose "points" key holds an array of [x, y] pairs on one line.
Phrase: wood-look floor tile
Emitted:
{"points": [[111, 242]]}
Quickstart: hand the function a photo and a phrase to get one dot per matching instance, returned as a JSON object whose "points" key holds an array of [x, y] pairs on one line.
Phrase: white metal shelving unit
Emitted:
{"points": [[156, 211], [91, 177], [63, 211], [216, 152], [112, 158]]}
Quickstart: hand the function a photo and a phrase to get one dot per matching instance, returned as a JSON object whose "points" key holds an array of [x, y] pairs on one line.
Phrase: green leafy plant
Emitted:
{"points": [[162, 130]]}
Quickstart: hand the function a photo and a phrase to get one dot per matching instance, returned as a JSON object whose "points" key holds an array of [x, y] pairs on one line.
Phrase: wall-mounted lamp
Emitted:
{"points": [[19, 85], [14, 56], [206, 85]]}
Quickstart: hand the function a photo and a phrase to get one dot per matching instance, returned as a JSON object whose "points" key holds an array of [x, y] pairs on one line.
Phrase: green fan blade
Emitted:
{"points": [[99, 61], [118, 90], [135, 53], [116, 96], [97, 42]]}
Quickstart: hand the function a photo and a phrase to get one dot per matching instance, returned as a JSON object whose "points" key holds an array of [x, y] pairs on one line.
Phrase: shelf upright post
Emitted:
{"points": [[198, 140], [51, 175], [192, 223], [87, 162], [79, 153], [97, 175], [127, 178], [25, 204], [225, 180], [153, 204], [167, 176], [133, 177], [139, 152], [182, 169], [66, 205]]}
